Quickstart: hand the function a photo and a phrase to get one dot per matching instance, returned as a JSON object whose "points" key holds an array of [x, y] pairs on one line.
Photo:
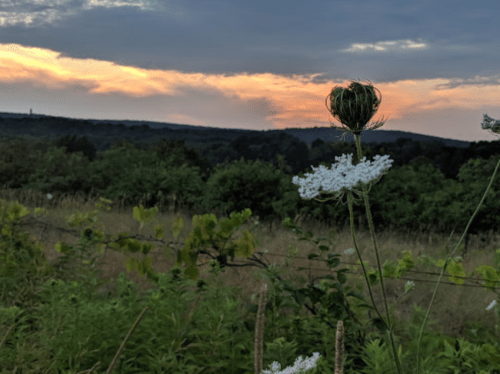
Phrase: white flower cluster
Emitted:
{"points": [[349, 251], [493, 303], [342, 176], [299, 366]]}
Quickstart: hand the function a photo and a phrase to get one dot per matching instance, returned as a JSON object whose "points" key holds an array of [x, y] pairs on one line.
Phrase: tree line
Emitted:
{"points": [[430, 187]]}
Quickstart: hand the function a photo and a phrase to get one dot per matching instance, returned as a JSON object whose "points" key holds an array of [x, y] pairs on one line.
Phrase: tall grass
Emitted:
{"points": [[117, 222]]}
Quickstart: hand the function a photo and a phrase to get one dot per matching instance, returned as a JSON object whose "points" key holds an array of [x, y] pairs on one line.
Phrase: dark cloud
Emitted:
{"points": [[378, 41]]}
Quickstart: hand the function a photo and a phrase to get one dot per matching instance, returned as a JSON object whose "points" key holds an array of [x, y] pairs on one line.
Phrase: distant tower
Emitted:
{"points": [[31, 111]]}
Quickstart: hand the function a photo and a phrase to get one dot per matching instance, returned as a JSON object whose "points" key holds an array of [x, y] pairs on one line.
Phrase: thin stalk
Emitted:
{"points": [[372, 233], [259, 331], [339, 348]]}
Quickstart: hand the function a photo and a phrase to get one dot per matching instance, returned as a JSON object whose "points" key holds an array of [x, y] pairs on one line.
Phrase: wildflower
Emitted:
{"points": [[342, 177], [299, 366], [409, 286], [349, 251], [493, 303]]}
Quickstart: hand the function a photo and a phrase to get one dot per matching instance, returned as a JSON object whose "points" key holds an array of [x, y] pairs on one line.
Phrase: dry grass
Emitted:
{"points": [[259, 331], [339, 348], [452, 308]]}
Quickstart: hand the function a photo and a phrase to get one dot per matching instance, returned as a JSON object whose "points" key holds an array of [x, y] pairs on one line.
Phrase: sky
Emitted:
{"points": [[256, 64]]}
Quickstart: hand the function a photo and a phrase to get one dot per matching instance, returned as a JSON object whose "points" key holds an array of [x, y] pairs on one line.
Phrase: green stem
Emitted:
{"points": [[372, 232]]}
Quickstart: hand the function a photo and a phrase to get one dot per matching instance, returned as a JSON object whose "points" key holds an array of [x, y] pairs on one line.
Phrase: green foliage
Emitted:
{"points": [[23, 271], [91, 237], [454, 268], [18, 161], [267, 148], [146, 173], [375, 357], [57, 171], [475, 177], [414, 197], [398, 199], [204, 235], [451, 207], [74, 144], [141, 170], [176, 154], [253, 185], [160, 172], [22, 260], [328, 300]]}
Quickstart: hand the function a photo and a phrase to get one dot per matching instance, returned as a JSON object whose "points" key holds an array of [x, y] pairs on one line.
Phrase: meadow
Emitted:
{"points": [[82, 313], [74, 330]]}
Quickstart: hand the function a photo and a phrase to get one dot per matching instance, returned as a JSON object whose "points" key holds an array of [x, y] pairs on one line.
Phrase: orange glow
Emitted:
{"points": [[298, 99]]}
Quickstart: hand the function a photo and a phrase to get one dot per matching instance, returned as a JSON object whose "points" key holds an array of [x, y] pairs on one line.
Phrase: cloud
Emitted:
{"points": [[258, 65]]}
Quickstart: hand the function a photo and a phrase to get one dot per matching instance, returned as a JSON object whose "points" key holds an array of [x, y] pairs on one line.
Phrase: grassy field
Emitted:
{"points": [[456, 310]]}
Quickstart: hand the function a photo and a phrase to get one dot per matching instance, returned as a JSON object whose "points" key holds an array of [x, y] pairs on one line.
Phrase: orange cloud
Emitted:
{"points": [[297, 98]]}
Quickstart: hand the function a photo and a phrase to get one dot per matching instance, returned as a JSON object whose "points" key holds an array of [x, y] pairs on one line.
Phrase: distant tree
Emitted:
{"points": [[475, 177], [57, 171], [295, 152], [317, 143], [282, 165], [431, 149], [176, 153], [253, 184], [18, 160], [218, 153], [243, 145], [139, 128], [328, 151], [119, 143], [134, 174], [397, 198], [76, 144]]}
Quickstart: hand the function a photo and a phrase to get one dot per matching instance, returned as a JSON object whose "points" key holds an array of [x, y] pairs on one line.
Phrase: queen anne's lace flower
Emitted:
{"points": [[299, 367], [493, 303], [342, 176]]}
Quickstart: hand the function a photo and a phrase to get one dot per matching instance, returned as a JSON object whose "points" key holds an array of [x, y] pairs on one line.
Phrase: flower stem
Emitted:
{"points": [[372, 232]]}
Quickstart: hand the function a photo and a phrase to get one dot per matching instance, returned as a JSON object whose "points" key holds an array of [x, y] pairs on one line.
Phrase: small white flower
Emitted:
{"points": [[298, 367], [349, 251], [342, 176], [493, 303], [409, 286], [49, 196]]}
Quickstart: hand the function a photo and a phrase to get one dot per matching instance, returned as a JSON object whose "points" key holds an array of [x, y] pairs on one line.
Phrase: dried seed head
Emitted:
{"points": [[339, 348], [354, 107]]}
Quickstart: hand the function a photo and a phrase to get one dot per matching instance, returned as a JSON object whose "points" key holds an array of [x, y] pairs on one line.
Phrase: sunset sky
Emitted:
{"points": [[253, 64]]}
